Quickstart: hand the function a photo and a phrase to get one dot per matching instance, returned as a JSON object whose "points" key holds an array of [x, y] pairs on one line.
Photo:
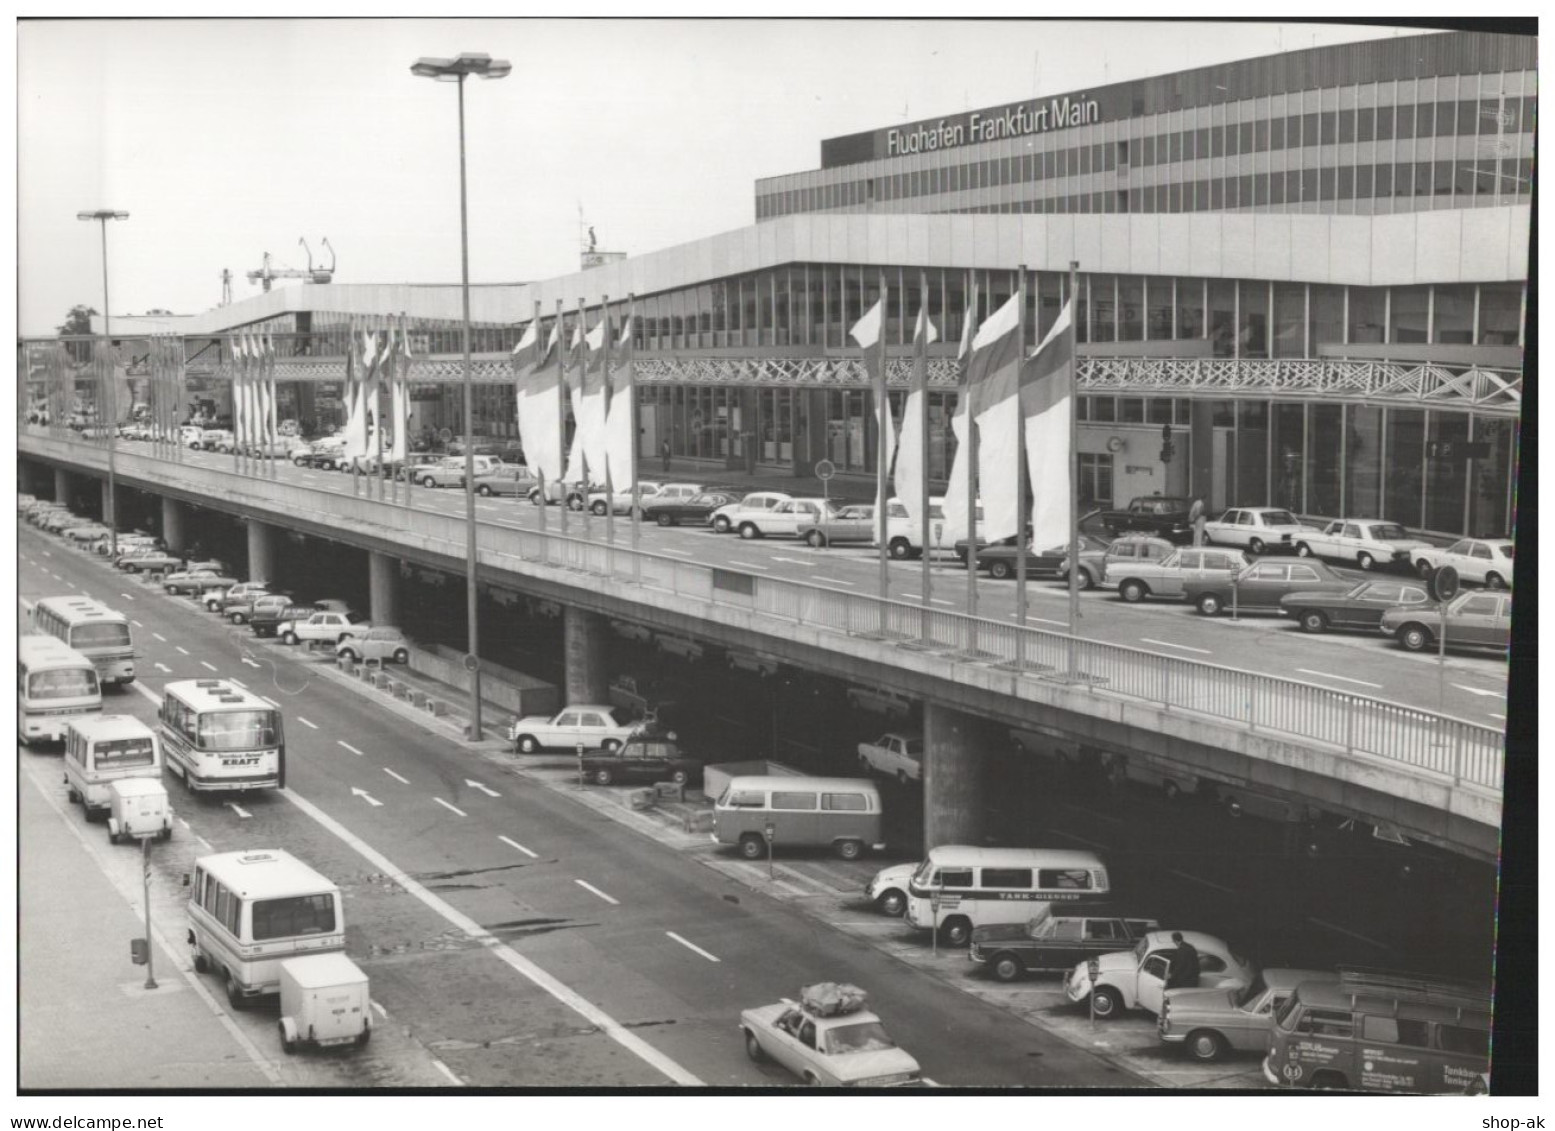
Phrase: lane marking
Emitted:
{"points": [[835, 581], [306, 723], [680, 553], [748, 565], [347, 745], [1496, 715], [1480, 691], [162, 667], [448, 1072], [382, 1012], [136, 623], [160, 637], [203, 664], [270, 701], [147, 692], [1192, 879], [521, 848], [126, 596], [1043, 620], [693, 946], [1344, 678], [250, 663], [596, 891], [795, 561], [239, 810], [1340, 930], [487, 790], [504, 953], [450, 808], [184, 650], [367, 797], [395, 776], [1169, 644]]}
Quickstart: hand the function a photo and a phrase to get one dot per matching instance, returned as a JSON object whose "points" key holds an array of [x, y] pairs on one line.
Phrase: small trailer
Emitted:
{"points": [[137, 807], [324, 1002]]}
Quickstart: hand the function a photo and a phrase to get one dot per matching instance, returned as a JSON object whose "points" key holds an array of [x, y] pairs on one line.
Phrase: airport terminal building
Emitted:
{"points": [[1310, 267]]}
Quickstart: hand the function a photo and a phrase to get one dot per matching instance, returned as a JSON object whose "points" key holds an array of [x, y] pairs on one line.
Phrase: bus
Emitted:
{"points": [[249, 911], [54, 684], [218, 736], [102, 749], [958, 887], [94, 630]]}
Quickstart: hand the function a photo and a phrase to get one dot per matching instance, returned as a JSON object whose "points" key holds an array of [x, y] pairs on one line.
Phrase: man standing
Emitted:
{"points": [[1184, 969], [1196, 520], [664, 453]]}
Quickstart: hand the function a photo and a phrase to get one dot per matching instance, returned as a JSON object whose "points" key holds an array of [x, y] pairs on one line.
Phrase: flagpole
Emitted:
{"points": [[578, 434], [561, 415], [604, 377], [409, 469], [539, 462], [631, 401], [882, 453], [1074, 472], [971, 482], [920, 350], [1020, 480]]}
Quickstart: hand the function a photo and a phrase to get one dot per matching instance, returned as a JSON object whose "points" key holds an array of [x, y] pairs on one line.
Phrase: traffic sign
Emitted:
{"points": [[825, 469], [1444, 583], [472, 662]]}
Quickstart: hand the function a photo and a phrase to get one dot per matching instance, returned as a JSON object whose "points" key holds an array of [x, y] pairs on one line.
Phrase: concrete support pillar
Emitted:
{"points": [[173, 525], [61, 485], [261, 551], [586, 639], [383, 588], [1201, 457], [107, 501], [954, 796]]}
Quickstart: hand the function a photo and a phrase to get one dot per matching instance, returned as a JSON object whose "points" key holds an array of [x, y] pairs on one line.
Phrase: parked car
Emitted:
{"points": [[1257, 529], [844, 1050], [640, 697], [1136, 979], [264, 604], [1474, 620], [904, 537], [1132, 552], [240, 609], [895, 755], [1368, 542], [87, 533], [851, 524], [753, 505], [326, 455], [127, 542], [1163, 516], [190, 435], [1359, 609], [57, 522], [450, 471], [329, 626], [382, 642], [1210, 1022], [589, 725], [240, 594], [267, 617], [887, 890], [1055, 939], [1138, 577], [1001, 560], [642, 758], [216, 440], [785, 519], [196, 582], [406, 469], [505, 480], [647, 491], [1483, 561], [1260, 586], [695, 511]]}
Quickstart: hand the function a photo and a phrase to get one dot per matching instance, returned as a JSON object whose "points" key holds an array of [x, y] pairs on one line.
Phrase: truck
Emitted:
{"points": [[1165, 516]]}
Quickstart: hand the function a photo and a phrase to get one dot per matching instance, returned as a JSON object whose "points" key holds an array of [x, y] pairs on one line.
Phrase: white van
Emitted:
{"points": [[101, 749], [838, 813], [250, 911], [958, 888]]}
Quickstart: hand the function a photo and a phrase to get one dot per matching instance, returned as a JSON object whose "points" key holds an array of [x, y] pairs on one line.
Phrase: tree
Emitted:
{"points": [[78, 322]]}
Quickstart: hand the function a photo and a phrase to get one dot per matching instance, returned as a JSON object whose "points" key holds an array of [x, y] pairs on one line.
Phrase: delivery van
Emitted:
{"points": [[842, 814]]}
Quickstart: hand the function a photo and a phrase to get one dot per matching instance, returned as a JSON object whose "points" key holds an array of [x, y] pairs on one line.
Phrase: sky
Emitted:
{"points": [[225, 139]]}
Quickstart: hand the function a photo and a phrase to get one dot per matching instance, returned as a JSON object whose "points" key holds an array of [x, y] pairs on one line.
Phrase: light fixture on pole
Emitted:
{"points": [[102, 216], [456, 71]]}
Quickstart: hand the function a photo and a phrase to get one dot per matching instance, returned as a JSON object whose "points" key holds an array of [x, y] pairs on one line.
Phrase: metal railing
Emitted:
{"points": [[1455, 749]]}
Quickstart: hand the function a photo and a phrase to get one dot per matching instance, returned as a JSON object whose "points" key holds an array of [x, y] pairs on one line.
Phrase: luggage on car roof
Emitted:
{"points": [[832, 999]]}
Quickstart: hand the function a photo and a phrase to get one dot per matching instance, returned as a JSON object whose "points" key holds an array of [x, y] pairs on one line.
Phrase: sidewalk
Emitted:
{"points": [[85, 1019]]}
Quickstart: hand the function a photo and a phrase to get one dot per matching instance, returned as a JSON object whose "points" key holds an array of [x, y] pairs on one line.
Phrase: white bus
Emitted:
{"points": [[94, 630], [54, 684], [250, 911], [218, 736], [101, 749], [958, 888]]}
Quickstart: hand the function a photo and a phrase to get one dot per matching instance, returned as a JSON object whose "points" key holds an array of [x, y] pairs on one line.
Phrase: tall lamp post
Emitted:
{"points": [[456, 71], [102, 216]]}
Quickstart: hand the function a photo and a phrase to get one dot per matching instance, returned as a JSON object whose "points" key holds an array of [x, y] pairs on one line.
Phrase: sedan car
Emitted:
{"points": [[1474, 620], [643, 758], [1057, 938], [324, 454], [327, 626], [851, 524], [1360, 609], [754, 505], [588, 725], [383, 643], [216, 440], [1139, 577], [1001, 560], [267, 617], [1260, 586], [1136, 979], [1368, 542], [695, 511], [87, 533], [1484, 561], [506, 480], [197, 581], [844, 1050], [1257, 529], [243, 593], [1209, 1022], [647, 491], [785, 519]]}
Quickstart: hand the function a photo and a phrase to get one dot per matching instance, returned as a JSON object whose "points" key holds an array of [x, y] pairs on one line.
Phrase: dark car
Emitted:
{"points": [[148, 561], [1261, 586], [267, 616], [642, 758], [1474, 620], [1001, 560], [1360, 609], [1056, 940], [1165, 516], [695, 511]]}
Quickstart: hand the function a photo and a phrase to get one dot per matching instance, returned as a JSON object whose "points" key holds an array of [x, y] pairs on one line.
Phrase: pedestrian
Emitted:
{"points": [[664, 453], [1196, 520], [1184, 969]]}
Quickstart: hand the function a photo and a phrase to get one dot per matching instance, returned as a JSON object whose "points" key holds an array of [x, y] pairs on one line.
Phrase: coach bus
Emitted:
{"points": [[54, 684], [218, 736], [93, 629]]}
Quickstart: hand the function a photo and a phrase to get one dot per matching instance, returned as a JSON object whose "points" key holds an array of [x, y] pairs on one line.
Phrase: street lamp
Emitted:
{"points": [[456, 71], [102, 216]]}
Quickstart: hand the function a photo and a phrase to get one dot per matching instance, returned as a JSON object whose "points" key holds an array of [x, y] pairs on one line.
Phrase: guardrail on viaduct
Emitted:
{"points": [[1464, 752]]}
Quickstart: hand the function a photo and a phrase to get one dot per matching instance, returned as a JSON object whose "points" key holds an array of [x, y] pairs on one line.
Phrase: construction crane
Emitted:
{"points": [[267, 274]]}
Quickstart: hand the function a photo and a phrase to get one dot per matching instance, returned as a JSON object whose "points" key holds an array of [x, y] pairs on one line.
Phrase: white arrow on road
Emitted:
{"points": [[163, 668], [484, 789], [251, 663], [365, 796], [1480, 691], [238, 809]]}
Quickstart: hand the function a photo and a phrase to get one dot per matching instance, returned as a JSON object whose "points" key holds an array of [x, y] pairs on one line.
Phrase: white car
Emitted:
{"points": [[590, 725], [888, 890], [754, 505], [1257, 529], [898, 756], [1368, 542], [1484, 561], [786, 518], [1136, 979], [841, 1051], [621, 502], [331, 627]]}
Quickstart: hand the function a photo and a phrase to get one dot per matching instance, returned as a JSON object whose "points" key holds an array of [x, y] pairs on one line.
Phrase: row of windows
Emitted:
{"points": [[286, 917], [1412, 1033], [801, 801], [1467, 118], [1047, 879]]}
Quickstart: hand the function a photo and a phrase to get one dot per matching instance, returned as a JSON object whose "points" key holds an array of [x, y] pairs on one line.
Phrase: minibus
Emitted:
{"points": [[250, 911], [958, 888], [99, 750], [93, 629], [842, 814], [218, 736], [54, 684]]}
